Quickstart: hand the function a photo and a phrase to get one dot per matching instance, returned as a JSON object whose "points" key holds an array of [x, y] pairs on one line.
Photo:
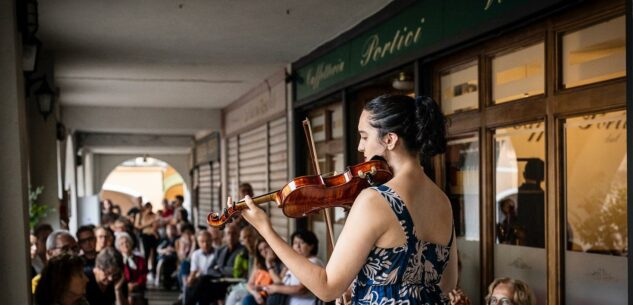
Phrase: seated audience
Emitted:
{"points": [[266, 272], [42, 231], [106, 283], [105, 238], [134, 270], [244, 262], [305, 243], [37, 264], [180, 213], [123, 224], [63, 282], [58, 242], [208, 289], [201, 260], [507, 291], [88, 244], [217, 237], [167, 258], [185, 247]]}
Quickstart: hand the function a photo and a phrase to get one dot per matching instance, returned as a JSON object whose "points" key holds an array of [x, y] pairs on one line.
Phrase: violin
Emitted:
{"points": [[309, 194]]}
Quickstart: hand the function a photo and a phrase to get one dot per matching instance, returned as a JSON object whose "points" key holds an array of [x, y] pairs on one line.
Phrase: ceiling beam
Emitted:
{"points": [[135, 120]]}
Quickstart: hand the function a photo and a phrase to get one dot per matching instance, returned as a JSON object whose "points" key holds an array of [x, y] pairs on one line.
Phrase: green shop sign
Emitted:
{"points": [[423, 24]]}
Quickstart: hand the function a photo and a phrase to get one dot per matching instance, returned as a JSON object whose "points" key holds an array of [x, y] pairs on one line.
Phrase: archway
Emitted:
{"points": [[150, 178]]}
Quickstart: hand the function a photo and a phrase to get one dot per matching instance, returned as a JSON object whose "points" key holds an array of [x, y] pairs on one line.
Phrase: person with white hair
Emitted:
{"points": [[58, 242], [134, 268]]}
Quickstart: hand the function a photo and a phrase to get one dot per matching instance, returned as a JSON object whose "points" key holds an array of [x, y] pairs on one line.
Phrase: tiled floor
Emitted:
{"points": [[161, 297]]}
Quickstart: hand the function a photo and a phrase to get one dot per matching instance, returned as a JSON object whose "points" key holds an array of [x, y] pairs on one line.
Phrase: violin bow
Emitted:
{"points": [[307, 128]]}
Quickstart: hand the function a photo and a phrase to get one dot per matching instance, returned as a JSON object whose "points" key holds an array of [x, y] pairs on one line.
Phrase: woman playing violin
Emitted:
{"points": [[397, 245]]}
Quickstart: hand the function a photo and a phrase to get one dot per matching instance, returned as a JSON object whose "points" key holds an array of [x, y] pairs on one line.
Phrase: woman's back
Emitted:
{"points": [[408, 261], [428, 207]]}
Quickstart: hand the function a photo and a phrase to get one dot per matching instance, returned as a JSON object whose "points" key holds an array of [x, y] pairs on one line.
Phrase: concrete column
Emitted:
{"points": [[89, 173], [42, 143], [14, 263]]}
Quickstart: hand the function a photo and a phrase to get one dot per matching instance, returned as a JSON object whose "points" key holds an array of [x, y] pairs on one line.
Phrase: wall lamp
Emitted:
{"points": [[44, 96]]}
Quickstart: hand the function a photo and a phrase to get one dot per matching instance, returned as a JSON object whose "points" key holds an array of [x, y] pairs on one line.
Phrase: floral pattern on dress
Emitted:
{"points": [[407, 274]]}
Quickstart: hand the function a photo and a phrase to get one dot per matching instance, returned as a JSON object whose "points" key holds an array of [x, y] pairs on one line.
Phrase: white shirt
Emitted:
{"points": [[291, 280], [200, 261]]}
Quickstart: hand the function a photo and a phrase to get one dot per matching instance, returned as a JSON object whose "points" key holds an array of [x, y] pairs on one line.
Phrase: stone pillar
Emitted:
{"points": [[14, 262]]}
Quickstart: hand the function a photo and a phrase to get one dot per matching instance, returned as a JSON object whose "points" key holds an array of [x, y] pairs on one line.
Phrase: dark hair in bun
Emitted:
{"points": [[418, 122]]}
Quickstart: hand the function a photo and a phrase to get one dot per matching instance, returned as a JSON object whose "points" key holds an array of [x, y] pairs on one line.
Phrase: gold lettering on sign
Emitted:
{"points": [[374, 49], [324, 72], [489, 3]]}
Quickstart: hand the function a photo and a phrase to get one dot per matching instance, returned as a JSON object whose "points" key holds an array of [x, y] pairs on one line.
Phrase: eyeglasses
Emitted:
{"points": [[68, 249], [500, 301]]}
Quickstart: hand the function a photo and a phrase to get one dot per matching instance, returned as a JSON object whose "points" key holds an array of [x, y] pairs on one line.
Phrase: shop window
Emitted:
{"points": [[594, 54], [460, 89], [519, 74], [319, 127], [595, 199], [462, 188], [519, 162]]}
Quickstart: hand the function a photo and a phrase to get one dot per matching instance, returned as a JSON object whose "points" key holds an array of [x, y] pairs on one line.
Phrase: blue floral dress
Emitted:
{"points": [[407, 274]]}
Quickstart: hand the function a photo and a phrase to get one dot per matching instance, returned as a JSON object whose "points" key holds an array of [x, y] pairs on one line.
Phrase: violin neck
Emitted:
{"points": [[270, 197]]}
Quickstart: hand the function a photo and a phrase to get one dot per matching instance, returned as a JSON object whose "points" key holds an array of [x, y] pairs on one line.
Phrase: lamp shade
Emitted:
{"points": [[45, 97], [403, 82]]}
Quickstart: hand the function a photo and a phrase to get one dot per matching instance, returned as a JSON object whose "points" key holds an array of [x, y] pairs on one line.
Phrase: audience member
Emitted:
{"points": [[167, 258], [61, 241], [167, 212], [116, 211], [105, 238], [244, 190], [88, 244], [305, 243], [42, 231], [134, 270], [507, 291], [217, 237], [201, 258], [147, 224], [63, 282], [58, 242], [266, 272], [37, 264], [245, 260], [106, 283], [179, 211], [185, 246], [107, 213], [123, 224], [208, 289]]}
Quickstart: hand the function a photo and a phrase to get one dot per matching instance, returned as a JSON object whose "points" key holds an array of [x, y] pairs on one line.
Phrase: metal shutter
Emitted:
{"points": [[216, 184], [204, 192], [252, 159], [232, 181]]}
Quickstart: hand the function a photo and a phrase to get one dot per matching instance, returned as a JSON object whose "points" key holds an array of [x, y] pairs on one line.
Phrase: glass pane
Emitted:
{"points": [[520, 205], [460, 89], [337, 121], [318, 127], [462, 188], [519, 74], [595, 195], [594, 54]]}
